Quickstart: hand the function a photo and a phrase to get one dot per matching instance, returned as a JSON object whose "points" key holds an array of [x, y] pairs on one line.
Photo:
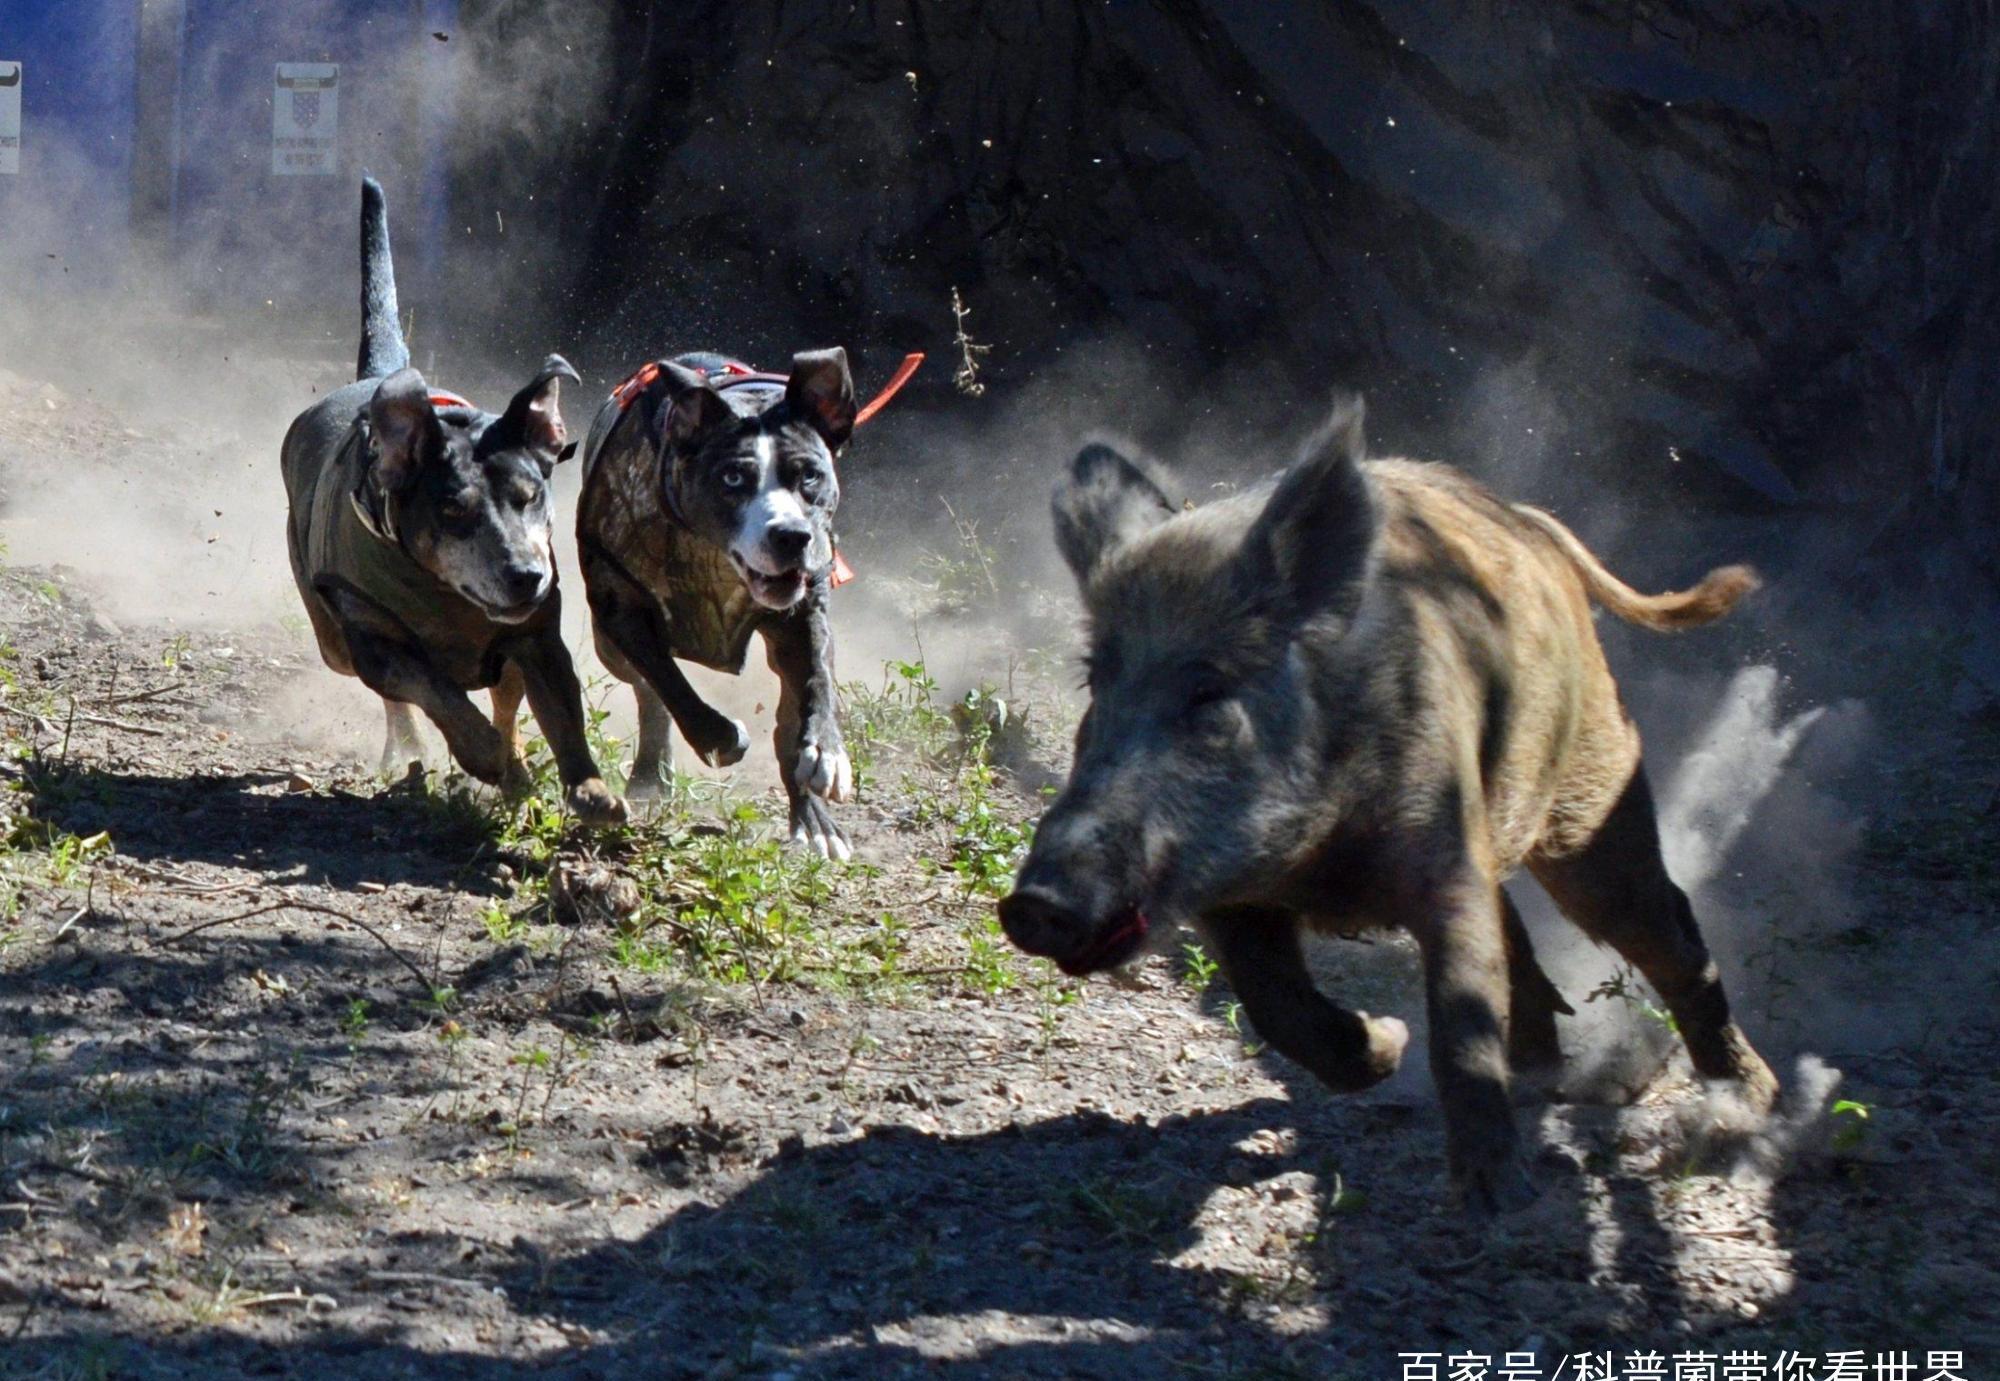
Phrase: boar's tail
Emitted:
{"points": [[1708, 601], [382, 349]]}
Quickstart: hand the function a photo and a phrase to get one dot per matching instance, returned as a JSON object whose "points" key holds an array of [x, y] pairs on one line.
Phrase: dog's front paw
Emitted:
{"points": [[516, 782], [594, 803], [824, 769], [724, 744], [814, 831]]}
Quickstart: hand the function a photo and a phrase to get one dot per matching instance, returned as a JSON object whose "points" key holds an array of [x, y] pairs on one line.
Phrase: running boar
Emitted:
{"points": [[1363, 695]]}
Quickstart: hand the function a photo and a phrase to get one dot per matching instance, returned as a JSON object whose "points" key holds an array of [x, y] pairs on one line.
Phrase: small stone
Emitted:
{"points": [[298, 781]]}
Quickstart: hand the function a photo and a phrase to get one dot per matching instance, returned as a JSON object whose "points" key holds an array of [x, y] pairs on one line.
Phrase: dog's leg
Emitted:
{"points": [[507, 693], [1261, 957], [557, 700], [1617, 890], [653, 759], [1459, 928], [812, 761], [624, 614], [401, 746], [395, 672]]}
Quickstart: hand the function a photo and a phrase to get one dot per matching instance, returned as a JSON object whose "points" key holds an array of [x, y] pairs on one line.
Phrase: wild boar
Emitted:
{"points": [[1363, 695]]}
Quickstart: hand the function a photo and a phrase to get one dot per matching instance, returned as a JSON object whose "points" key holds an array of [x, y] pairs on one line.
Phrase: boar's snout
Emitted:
{"points": [[1037, 918]]}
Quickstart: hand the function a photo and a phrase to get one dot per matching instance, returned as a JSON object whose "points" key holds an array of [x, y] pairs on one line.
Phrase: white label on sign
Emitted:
{"points": [[10, 117], [305, 118]]}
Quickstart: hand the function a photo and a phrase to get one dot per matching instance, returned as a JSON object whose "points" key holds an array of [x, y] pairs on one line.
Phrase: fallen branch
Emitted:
{"points": [[430, 985]]}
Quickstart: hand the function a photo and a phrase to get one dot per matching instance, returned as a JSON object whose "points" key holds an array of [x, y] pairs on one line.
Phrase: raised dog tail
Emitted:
{"points": [[1708, 601], [382, 348]]}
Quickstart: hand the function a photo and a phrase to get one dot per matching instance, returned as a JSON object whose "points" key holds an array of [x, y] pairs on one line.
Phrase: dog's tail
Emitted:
{"points": [[1716, 594], [382, 349]]}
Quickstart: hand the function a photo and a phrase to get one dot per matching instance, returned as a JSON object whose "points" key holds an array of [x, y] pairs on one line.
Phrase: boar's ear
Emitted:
{"points": [[533, 420], [1308, 551], [406, 429], [821, 390], [685, 407], [1104, 502]]}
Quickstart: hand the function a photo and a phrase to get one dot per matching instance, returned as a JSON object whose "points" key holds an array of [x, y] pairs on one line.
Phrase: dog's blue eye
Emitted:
{"points": [[734, 479]]}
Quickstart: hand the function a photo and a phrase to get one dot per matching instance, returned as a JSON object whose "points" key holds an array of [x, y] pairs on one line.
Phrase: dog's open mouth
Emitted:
{"points": [[775, 591], [1112, 947]]}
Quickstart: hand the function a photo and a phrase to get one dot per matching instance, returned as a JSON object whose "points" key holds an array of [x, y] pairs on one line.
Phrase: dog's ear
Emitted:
{"points": [[1105, 501], [687, 408], [533, 420], [1308, 551], [405, 427], [821, 390]]}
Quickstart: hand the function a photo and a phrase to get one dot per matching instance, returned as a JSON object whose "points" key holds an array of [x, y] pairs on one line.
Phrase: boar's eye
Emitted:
{"points": [[1207, 691]]}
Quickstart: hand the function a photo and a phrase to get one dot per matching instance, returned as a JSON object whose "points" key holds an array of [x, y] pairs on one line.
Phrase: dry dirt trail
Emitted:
{"points": [[304, 1073]]}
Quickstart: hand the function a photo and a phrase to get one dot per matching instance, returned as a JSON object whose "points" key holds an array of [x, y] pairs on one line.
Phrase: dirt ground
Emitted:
{"points": [[304, 1072]]}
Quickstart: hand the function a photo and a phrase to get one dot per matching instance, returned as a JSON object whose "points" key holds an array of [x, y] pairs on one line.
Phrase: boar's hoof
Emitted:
{"points": [[814, 831], [1487, 1191], [1388, 1037], [592, 802]]}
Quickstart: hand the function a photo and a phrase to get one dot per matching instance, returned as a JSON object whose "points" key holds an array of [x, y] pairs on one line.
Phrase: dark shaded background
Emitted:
{"points": [[1731, 254]]}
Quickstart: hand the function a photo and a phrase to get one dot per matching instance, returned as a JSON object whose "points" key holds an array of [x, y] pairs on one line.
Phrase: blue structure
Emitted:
{"points": [[72, 195], [148, 124]]}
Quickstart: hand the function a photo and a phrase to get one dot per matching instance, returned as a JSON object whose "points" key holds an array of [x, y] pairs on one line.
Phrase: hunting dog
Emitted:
{"points": [[1364, 695], [420, 538], [706, 516]]}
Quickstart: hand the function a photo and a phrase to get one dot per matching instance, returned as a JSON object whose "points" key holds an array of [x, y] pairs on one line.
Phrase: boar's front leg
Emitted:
{"points": [[1467, 984], [1260, 955]]}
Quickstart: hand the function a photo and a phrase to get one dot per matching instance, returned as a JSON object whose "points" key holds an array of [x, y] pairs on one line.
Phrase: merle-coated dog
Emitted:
{"points": [[706, 516], [420, 537]]}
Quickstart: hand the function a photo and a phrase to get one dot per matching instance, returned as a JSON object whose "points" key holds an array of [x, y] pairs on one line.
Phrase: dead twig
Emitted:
{"points": [[30, 716], [135, 696], [966, 377], [427, 1278], [430, 984]]}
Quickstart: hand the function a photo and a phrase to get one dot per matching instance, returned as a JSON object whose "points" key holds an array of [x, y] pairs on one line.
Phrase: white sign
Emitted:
{"points": [[305, 119], [10, 117]]}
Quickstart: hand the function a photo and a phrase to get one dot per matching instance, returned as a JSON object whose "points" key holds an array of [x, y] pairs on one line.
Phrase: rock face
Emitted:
{"points": [[1729, 251]]}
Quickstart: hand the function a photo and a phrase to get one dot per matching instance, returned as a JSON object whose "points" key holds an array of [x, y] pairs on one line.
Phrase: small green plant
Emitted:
{"points": [[1624, 986], [503, 927], [176, 650], [989, 960], [1850, 1123], [900, 714], [1232, 1017], [354, 1022], [1197, 969]]}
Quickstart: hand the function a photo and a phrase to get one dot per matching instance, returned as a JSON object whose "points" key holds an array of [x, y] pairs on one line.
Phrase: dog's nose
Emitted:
{"points": [[523, 582], [789, 541], [1040, 922]]}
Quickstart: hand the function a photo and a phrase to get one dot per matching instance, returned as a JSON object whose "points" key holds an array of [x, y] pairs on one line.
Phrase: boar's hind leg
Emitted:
{"points": [[1533, 1001], [1467, 982], [1617, 891], [1348, 1051]]}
